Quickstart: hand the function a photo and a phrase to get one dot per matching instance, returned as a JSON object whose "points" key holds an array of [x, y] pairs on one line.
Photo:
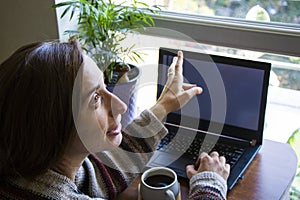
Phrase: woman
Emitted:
{"points": [[48, 153]]}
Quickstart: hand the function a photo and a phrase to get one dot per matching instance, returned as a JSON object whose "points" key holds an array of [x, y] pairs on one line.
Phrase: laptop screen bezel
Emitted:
{"points": [[204, 125]]}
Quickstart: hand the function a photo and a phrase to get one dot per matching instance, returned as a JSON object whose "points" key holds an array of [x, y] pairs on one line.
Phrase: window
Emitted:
{"points": [[285, 11], [270, 32]]}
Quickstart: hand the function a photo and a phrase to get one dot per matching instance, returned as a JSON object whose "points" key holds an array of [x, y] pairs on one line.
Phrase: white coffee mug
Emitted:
{"points": [[159, 183]]}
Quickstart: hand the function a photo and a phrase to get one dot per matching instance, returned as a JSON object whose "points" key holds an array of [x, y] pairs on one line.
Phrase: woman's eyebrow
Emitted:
{"points": [[92, 91]]}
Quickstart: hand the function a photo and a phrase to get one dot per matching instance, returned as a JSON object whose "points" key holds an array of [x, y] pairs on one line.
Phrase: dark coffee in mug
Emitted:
{"points": [[159, 183], [159, 180]]}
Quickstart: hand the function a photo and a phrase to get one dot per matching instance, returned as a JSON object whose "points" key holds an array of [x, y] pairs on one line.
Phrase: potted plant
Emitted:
{"points": [[102, 26]]}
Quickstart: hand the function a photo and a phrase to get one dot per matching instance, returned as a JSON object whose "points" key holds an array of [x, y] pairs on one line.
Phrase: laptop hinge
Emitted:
{"points": [[250, 143], [253, 142]]}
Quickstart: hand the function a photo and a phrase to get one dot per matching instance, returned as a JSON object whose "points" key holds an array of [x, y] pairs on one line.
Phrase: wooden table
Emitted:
{"points": [[269, 176]]}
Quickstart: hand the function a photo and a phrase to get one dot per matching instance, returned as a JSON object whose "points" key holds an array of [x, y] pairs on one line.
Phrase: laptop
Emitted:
{"points": [[227, 117]]}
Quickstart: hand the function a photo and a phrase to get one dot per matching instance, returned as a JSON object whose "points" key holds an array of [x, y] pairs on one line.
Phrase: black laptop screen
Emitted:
{"points": [[232, 82]]}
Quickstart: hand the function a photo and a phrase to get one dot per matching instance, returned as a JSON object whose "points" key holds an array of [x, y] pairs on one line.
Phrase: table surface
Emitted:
{"points": [[269, 175]]}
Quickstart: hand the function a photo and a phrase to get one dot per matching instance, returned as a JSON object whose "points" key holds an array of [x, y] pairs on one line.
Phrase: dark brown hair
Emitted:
{"points": [[36, 122]]}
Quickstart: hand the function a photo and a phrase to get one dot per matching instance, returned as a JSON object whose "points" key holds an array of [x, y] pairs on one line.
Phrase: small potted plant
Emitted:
{"points": [[102, 26]]}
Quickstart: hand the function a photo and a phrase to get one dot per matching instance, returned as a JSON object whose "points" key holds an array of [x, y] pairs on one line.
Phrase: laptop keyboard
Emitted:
{"points": [[192, 147]]}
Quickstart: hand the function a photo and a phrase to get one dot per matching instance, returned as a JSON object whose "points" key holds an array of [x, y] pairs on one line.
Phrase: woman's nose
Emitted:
{"points": [[117, 105]]}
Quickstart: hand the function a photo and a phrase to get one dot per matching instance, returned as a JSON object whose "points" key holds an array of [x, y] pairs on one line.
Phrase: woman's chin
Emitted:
{"points": [[111, 142], [115, 140]]}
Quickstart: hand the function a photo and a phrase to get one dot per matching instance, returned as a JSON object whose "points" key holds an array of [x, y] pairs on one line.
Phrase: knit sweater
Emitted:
{"points": [[104, 175]]}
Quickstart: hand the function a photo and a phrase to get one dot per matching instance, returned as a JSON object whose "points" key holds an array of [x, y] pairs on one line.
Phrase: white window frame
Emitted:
{"points": [[260, 36]]}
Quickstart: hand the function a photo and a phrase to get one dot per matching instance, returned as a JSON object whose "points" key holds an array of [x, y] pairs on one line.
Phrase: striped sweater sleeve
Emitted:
{"points": [[143, 134], [208, 186]]}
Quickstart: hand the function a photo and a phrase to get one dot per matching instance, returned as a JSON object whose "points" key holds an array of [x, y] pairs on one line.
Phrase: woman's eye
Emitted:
{"points": [[96, 99]]}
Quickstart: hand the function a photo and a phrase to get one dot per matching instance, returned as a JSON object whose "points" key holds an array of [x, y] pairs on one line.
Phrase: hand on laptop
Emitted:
{"points": [[212, 162], [176, 93]]}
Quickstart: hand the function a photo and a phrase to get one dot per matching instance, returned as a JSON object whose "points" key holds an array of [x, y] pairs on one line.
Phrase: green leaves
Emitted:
{"points": [[294, 141], [103, 25]]}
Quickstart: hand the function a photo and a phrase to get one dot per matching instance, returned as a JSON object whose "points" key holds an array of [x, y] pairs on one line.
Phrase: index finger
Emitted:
{"points": [[179, 63]]}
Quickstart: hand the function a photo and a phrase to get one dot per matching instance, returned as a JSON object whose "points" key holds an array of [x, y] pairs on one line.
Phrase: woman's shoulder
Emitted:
{"points": [[49, 185], [12, 191]]}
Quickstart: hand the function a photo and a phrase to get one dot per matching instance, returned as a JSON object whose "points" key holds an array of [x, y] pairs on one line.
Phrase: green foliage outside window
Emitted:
{"points": [[294, 141], [284, 11]]}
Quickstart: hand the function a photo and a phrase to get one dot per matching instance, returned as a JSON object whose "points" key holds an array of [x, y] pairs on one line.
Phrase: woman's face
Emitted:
{"points": [[98, 122]]}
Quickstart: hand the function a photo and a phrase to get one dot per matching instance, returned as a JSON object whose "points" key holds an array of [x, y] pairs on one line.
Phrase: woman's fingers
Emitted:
{"points": [[222, 160], [187, 86], [176, 94], [187, 94], [171, 70], [190, 171], [214, 154], [179, 63]]}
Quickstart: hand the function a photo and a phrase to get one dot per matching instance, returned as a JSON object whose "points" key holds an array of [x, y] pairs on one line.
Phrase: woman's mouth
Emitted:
{"points": [[115, 131]]}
